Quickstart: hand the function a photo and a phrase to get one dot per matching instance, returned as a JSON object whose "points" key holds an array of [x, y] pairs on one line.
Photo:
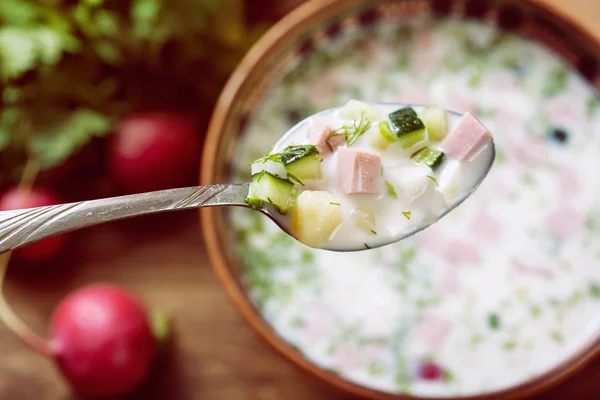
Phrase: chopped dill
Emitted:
{"points": [[434, 180], [334, 203], [290, 154], [391, 190], [351, 132], [373, 232], [294, 178], [407, 214], [367, 246]]}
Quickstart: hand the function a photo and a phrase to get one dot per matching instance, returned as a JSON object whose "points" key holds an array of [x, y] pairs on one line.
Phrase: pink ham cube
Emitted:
{"points": [[323, 139], [358, 171], [468, 136]]}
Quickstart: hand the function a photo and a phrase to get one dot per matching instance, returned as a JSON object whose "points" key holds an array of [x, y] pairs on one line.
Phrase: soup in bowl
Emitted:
{"points": [[501, 296]]}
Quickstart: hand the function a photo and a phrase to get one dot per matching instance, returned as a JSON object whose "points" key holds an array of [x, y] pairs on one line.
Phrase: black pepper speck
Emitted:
{"points": [[559, 135]]}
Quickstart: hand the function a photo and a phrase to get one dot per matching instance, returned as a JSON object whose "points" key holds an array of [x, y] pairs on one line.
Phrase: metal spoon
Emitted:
{"points": [[25, 226]]}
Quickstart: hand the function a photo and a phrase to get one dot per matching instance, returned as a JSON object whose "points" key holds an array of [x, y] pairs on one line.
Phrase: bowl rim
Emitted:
{"points": [[290, 24]]}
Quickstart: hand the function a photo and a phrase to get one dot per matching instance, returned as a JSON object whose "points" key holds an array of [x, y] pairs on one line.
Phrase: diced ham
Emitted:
{"points": [[485, 226], [468, 136], [347, 357], [539, 271], [462, 252], [432, 330], [324, 141], [358, 171], [450, 283], [565, 222]]}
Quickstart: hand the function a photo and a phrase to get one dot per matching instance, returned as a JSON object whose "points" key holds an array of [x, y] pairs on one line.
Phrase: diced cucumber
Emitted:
{"points": [[436, 122], [429, 157], [267, 188], [386, 131], [307, 167], [403, 113], [383, 136], [408, 127], [408, 140], [302, 162], [355, 109]]}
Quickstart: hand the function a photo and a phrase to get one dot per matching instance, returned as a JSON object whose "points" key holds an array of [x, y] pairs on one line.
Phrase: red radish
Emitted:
{"points": [[17, 198], [430, 371], [153, 151], [102, 341]]}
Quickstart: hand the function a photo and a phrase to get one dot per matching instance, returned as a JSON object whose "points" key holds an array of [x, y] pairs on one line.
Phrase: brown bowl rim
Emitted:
{"points": [[288, 25]]}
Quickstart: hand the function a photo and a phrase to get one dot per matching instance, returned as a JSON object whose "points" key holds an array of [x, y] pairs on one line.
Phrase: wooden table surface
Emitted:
{"points": [[214, 354]]}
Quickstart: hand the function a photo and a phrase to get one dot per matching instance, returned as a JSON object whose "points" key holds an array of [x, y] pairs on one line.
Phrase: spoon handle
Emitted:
{"points": [[22, 227]]}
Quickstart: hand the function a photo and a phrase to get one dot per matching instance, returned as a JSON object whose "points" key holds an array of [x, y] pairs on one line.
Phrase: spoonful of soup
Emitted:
{"points": [[350, 178], [366, 175]]}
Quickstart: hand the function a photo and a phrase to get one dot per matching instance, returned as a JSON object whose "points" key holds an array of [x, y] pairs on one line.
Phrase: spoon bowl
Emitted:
{"points": [[21, 227], [299, 134]]}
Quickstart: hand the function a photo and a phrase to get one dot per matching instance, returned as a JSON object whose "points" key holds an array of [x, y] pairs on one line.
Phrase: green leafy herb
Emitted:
{"points": [[557, 337], [334, 203], [52, 146], [297, 322], [447, 376], [407, 214], [476, 339], [375, 369], [434, 180], [592, 105], [352, 132], [556, 82], [594, 290], [494, 321], [476, 77], [509, 345], [289, 154], [373, 232], [69, 71], [367, 246], [391, 190]]}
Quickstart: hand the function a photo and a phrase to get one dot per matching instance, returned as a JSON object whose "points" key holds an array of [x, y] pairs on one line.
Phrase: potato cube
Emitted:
{"points": [[316, 215]]}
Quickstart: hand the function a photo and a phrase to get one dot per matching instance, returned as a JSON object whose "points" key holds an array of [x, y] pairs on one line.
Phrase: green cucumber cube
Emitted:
{"points": [[382, 137], [307, 167], [408, 127], [429, 157], [436, 122], [268, 188]]}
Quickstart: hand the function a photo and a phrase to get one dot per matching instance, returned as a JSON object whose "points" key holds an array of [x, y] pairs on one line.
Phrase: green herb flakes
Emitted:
{"points": [[494, 321], [557, 337], [433, 180], [509, 345], [375, 369], [352, 132], [334, 203], [556, 82], [447, 376], [407, 214], [390, 189], [594, 290]]}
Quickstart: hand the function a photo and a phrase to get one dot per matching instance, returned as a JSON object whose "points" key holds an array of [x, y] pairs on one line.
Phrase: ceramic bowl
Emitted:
{"points": [[530, 74]]}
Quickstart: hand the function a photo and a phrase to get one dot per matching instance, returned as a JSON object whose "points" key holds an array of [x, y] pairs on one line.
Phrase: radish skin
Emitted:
{"points": [[103, 341]]}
